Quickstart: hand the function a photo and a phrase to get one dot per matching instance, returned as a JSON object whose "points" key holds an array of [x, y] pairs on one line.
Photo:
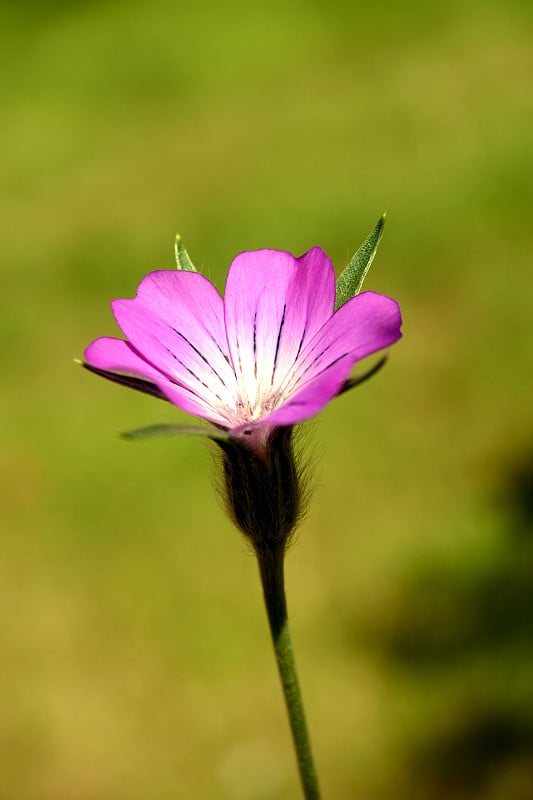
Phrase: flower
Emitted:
{"points": [[270, 354]]}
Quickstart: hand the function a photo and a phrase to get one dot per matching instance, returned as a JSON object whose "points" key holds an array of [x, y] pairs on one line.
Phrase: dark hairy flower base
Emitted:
{"points": [[262, 491]]}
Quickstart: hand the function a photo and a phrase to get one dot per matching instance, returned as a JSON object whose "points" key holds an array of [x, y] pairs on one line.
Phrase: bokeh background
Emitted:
{"points": [[135, 660]]}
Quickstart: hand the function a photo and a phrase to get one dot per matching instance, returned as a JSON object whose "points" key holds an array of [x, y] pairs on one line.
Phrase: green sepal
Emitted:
{"points": [[152, 431], [351, 279], [183, 260]]}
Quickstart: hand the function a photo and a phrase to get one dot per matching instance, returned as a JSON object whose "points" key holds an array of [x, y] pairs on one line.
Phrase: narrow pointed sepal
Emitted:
{"points": [[357, 379], [351, 280], [152, 431], [183, 260]]}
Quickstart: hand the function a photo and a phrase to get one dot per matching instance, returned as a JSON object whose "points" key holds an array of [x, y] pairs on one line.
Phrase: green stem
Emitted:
{"points": [[272, 579]]}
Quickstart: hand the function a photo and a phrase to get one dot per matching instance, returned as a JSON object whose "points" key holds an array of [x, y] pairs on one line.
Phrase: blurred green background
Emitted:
{"points": [[135, 660]]}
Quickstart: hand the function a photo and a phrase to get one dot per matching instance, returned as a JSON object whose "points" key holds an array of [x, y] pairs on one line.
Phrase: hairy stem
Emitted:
{"points": [[272, 579]]}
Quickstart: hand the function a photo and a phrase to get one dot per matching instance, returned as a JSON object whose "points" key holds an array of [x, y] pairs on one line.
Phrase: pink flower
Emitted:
{"points": [[270, 354]]}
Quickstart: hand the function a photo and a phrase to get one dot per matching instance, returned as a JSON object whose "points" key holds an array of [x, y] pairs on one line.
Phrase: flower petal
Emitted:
{"points": [[117, 355], [176, 323], [274, 304], [310, 303], [367, 323], [311, 399], [362, 326]]}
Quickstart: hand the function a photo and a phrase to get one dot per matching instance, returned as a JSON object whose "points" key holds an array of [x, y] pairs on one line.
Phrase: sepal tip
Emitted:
{"points": [[183, 259], [351, 280]]}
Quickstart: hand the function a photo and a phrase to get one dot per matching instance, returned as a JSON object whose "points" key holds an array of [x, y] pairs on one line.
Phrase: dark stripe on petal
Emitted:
{"points": [[204, 384], [332, 364], [191, 372], [220, 350], [300, 383], [313, 362], [239, 356], [290, 371], [201, 355], [282, 323], [300, 346]]}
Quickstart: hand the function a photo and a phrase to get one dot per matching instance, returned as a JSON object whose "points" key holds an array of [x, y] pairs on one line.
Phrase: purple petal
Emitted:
{"points": [[176, 323], [116, 355], [97, 354], [129, 381], [274, 304], [312, 399], [367, 323]]}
